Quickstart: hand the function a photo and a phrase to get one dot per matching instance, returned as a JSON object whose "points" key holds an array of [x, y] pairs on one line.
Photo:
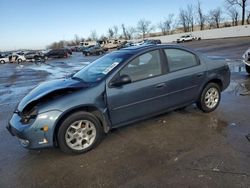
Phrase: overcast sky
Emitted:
{"points": [[37, 23]]}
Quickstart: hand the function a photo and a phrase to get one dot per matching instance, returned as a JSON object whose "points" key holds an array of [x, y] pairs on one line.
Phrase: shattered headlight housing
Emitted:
{"points": [[28, 116]]}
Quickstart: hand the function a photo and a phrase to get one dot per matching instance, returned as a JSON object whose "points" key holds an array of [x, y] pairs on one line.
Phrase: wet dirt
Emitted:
{"points": [[183, 148]]}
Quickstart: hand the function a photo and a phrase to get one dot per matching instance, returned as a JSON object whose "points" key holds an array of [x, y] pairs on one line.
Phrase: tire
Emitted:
{"points": [[19, 60], [2, 61], [203, 102], [100, 53], [247, 69], [75, 128]]}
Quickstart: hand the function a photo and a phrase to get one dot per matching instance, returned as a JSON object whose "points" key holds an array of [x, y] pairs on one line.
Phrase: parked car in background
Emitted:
{"points": [[34, 56], [58, 53], [16, 58], [246, 60], [4, 59], [93, 50], [125, 44], [186, 38], [69, 51], [117, 89], [147, 41], [151, 41]]}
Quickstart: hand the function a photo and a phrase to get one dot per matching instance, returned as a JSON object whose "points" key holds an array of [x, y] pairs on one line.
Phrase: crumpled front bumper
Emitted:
{"points": [[33, 136]]}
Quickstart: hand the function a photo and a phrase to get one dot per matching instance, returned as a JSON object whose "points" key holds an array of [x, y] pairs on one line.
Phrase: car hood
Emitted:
{"points": [[50, 88]]}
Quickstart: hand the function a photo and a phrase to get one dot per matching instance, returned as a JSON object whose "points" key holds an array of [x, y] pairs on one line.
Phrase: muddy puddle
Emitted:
{"points": [[56, 69], [240, 83]]}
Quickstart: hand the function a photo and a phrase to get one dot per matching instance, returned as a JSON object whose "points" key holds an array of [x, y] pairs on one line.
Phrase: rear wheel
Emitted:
{"points": [[247, 69], [210, 98], [2, 61], [79, 133], [19, 60]]}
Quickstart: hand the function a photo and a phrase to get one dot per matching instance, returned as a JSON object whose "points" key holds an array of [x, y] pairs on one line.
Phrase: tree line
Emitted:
{"points": [[190, 18]]}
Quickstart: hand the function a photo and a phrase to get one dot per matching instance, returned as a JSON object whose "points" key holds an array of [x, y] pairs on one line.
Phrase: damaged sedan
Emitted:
{"points": [[117, 89]]}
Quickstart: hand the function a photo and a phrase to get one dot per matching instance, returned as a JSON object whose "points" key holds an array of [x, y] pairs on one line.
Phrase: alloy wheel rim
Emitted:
{"points": [[212, 97], [80, 135]]}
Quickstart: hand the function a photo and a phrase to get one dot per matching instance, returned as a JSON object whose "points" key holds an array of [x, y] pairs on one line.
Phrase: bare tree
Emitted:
{"points": [[131, 32], [144, 27], [128, 32], [201, 16], [56, 45], [242, 4], [77, 39], [165, 26], [216, 16], [210, 22], [110, 33], [190, 16], [124, 31], [93, 35], [248, 18], [234, 14], [115, 29], [184, 20], [103, 38]]}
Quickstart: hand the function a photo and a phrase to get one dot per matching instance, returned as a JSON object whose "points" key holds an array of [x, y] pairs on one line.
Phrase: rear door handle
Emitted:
{"points": [[161, 85], [199, 75]]}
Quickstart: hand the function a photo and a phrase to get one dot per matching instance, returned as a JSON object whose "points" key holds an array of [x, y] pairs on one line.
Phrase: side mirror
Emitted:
{"points": [[121, 80]]}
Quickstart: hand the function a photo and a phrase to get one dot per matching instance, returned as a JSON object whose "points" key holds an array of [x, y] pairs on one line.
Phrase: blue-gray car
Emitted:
{"points": [[117, 89]]}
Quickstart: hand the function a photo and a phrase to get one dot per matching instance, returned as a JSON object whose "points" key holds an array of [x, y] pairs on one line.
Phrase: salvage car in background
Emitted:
{"points": [[34, 56], [125, 44], [4, 59], [246, 60], [147, 41], [93, 50], [152, 41], [17, 58], [186, 38], [58, 53], [117, 89]]}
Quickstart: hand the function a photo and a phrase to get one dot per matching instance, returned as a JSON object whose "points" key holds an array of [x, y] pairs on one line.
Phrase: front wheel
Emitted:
{"points": [[2, 61], [209, 98], [247, 69], [79, 133], [19, 60]]}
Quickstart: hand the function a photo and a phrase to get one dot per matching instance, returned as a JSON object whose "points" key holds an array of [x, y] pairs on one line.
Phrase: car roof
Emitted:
{"points": [[142, 48]]}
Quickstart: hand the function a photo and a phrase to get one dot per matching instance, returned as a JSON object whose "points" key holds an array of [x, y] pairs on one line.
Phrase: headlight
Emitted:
{"points": [[28, 116]]}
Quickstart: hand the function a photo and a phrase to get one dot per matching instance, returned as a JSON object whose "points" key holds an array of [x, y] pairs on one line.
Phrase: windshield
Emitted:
{"points": [[97, 70]]}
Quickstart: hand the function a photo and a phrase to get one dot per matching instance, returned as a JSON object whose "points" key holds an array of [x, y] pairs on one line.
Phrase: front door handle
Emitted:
{"points": [[161, 85]]}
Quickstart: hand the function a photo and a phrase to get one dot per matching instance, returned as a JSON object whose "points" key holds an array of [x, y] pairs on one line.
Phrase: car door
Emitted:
{"points": [[52, 53], [144, 95], [186, 74]]}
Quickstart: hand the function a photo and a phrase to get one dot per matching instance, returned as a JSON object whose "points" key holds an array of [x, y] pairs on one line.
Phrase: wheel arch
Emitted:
{"points": [[91, 109], [213, 80], [216, 81]]}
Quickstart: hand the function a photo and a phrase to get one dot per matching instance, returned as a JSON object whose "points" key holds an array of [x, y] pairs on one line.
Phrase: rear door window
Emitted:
{"points": [[180, 59]]}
